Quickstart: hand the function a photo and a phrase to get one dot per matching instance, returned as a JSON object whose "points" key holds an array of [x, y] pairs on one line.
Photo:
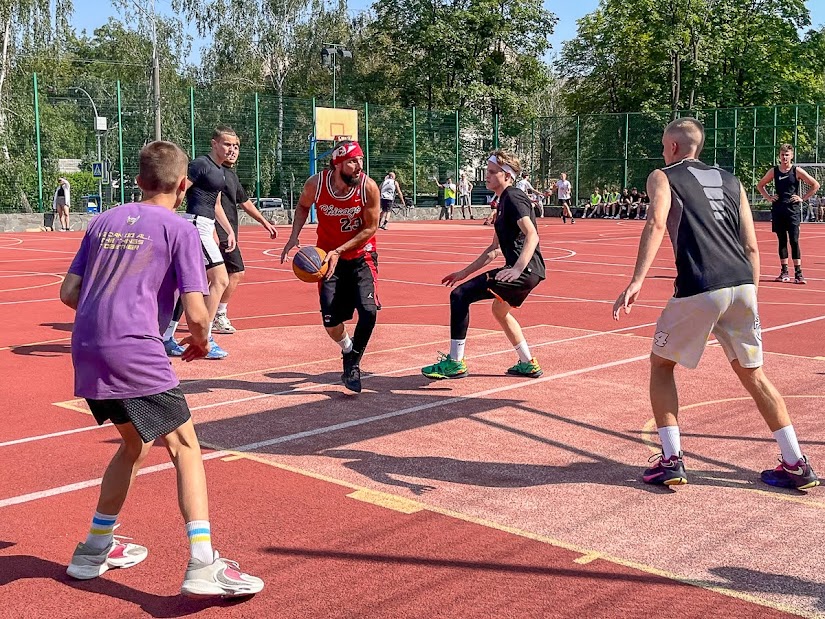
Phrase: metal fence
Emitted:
{"points": [[52, 125]]}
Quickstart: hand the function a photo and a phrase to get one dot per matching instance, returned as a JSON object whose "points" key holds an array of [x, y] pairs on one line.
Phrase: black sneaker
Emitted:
{"points": [[800, 475], [352, 373], [670, 472], [799, 278], [783, 276], [564, 219]]}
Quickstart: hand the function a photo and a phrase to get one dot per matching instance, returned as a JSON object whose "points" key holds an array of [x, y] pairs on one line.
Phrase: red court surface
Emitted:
{"points": [[492, 496]]}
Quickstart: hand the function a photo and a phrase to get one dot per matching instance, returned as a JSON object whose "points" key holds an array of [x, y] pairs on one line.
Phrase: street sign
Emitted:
{"points": [[97, 169]]}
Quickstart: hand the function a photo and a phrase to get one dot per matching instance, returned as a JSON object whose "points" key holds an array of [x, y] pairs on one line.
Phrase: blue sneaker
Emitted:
{"points": [[173, 349], [215, 351]]}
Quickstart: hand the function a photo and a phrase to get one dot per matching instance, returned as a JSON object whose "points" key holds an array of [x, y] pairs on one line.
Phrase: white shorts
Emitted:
{"points": [[729, 313], [212, 255]]}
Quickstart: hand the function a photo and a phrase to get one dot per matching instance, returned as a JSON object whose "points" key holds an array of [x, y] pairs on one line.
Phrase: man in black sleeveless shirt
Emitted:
{"points": [[786, 209], [706, 212]]}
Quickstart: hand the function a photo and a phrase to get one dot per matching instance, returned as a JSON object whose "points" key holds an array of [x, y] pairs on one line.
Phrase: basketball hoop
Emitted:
{"points": [[337, 139]]}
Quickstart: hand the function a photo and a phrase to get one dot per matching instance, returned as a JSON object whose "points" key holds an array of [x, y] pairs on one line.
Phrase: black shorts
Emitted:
{"points": [[564, 201], [232, 259], [353, 286], [386, 205], [153, 415], [784, 217], [514, 293]]}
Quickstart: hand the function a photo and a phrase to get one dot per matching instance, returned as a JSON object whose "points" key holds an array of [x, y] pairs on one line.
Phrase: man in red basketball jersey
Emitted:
{"points": [[348, 205]]}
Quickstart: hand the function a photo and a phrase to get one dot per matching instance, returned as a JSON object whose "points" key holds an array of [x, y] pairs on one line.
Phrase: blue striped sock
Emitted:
{"points": [[200, 540], [100, 533]]}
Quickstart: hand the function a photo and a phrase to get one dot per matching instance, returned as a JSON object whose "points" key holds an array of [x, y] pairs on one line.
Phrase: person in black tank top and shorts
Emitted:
{"points": [[786, 209], [706, 212], [517, 240]]}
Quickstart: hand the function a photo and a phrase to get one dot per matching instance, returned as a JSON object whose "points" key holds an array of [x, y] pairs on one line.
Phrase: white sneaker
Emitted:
{"points": [[88, 563], [221, 577], [222, 325]]}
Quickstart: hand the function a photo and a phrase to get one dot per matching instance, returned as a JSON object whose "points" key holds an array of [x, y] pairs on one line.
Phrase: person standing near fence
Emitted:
{"points": [[449, 197], [61, 203], [563, 192], [708, 217], [465, 192], [786, 209], [389, 189]]}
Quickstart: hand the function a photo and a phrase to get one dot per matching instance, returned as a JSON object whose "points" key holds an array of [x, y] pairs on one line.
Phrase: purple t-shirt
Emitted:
{"points": [[132, 259]]}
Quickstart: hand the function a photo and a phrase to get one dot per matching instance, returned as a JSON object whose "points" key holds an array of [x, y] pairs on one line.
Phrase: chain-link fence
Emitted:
{"points": [[54, 134]]}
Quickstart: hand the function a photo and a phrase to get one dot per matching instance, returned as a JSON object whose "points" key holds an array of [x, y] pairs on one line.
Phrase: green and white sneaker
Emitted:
{"points": [[445, 367], [530, 369]]}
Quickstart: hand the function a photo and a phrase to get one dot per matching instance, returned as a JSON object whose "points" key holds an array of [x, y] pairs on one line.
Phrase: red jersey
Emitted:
{"points": [[340, 218]]}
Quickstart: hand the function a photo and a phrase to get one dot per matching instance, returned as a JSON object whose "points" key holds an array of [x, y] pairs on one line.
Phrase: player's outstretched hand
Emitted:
{"points": [[453, 278], [195, 349], [292, 243], [508, 275], [273, 232], [626, 299], [331, 259]]}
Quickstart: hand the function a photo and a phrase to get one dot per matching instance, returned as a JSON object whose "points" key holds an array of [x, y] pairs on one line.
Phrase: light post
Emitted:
{"points": [[99, 125], [329, 54], [155, 65]]}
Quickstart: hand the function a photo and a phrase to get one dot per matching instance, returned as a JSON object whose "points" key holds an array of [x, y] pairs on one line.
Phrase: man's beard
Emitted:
{"points": [[351, 180]]}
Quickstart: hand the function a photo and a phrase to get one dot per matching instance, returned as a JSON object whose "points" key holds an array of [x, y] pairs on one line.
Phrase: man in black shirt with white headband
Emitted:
{"points": [[708, 217]]}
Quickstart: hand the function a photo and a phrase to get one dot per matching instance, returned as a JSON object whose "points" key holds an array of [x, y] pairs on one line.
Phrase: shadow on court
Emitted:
{"points": [[747, 580], [43, 350], [23, 567]]}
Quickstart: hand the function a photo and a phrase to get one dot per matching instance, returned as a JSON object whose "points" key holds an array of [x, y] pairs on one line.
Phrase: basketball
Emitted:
{"points": [[308, 264]]}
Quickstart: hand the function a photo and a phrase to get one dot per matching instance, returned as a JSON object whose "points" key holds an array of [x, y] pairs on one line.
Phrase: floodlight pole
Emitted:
{"points": [[335, 49], [97, 134]]}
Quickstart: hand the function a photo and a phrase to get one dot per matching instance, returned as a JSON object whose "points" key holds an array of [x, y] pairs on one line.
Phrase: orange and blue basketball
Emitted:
{"points": [[308, 264]]}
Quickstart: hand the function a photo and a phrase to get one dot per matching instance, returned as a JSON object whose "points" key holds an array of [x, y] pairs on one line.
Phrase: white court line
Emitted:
{"points": [[317, 385], [42, 494]]}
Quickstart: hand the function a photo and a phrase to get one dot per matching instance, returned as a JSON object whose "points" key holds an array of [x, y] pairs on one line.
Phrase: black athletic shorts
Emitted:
{"points": [[153, 415], [564, 201], [232, 259], [386, 205], [784, 217], [353, 286], [514, 293]]}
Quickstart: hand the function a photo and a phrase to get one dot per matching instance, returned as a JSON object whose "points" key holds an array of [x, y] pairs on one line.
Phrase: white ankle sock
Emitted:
{"points": [[457, 349], [222, 308], [170, 330], [671, 441], [788, 444], [209, 331], [346, 343], [100, 533], [200, 540], [523, 351]]}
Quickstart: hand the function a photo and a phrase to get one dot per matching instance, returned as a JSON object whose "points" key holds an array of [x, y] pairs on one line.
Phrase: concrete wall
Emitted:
{"points": [[34, 222]]}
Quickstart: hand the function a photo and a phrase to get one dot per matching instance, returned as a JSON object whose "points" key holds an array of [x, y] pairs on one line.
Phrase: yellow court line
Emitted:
{"points": [[61, 339], [72, 405], [587, 555]]}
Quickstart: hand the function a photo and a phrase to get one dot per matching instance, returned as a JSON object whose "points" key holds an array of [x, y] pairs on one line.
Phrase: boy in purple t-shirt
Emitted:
{"points": [[131, 261]]}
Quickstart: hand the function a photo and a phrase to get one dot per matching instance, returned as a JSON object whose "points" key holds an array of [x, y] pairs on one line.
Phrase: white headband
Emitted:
{"points": [[503, 166]]}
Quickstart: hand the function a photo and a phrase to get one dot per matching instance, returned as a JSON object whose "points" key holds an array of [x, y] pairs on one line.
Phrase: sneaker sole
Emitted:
{"points": [[223, 331], [86, 572], [531, 375], [677, 481], [443, 376], [204, 589]]}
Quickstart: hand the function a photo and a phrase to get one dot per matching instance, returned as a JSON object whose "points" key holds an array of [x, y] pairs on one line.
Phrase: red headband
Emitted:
{"points": [[347, 151]]}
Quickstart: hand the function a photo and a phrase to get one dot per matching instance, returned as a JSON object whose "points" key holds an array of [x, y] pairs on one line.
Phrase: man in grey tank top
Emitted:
{"points": [[708, 216]]}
